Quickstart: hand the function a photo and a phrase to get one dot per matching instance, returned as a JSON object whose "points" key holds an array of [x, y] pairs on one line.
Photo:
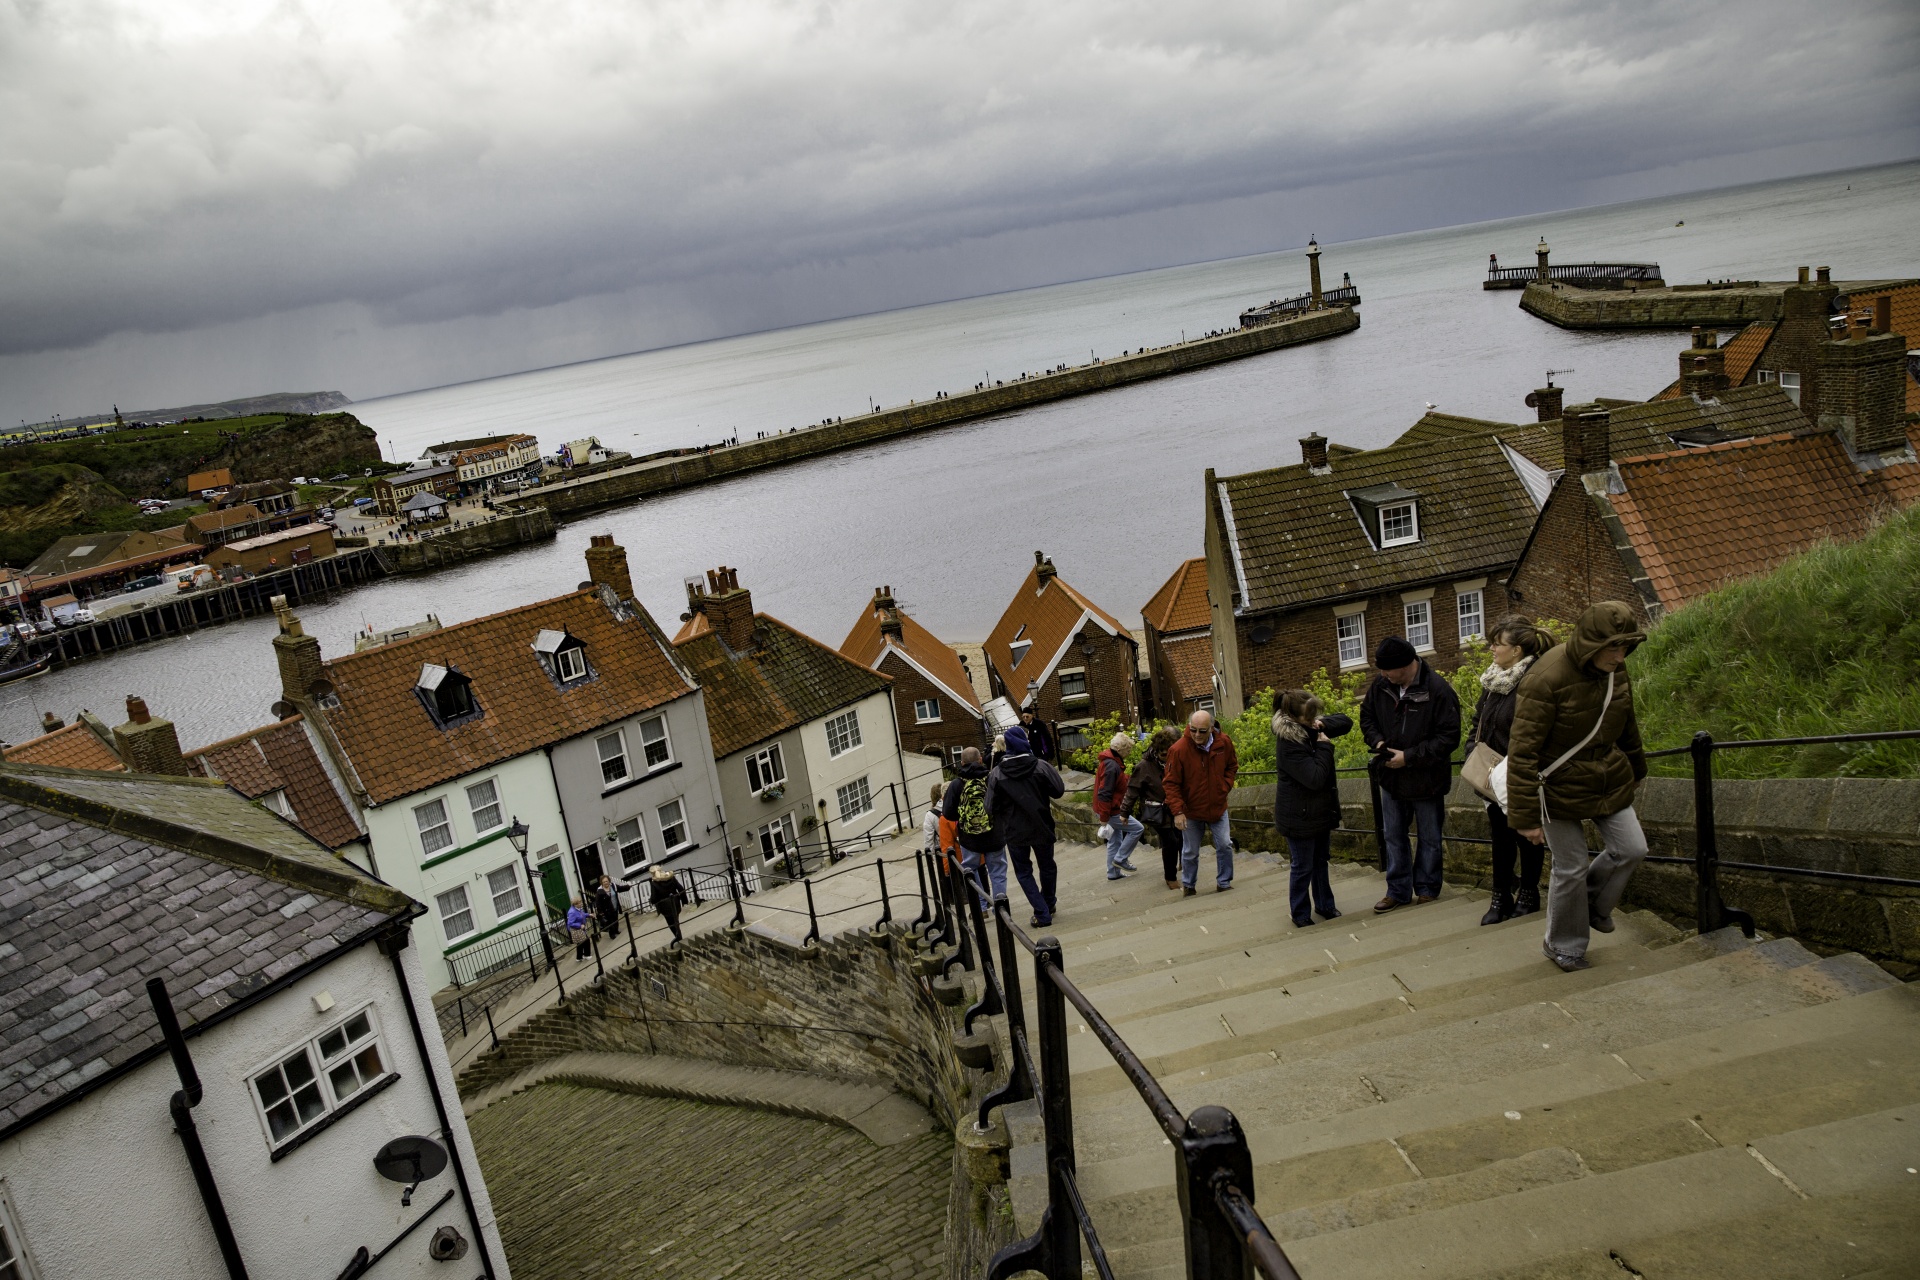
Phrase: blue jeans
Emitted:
{"points": [[996, 863], [1222, 852], [1410, 872], [1310, 887], [1126, 834]]}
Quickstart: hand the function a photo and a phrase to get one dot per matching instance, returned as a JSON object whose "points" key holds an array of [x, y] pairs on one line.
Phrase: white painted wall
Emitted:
{"points": [[877, 758], [103, 1190]]}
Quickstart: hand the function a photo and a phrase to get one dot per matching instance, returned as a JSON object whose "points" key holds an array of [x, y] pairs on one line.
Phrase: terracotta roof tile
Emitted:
{"points": [[1046, 616], [281, 757], [396, 748], [1181, 602], [1744, 347], [793, 679], [1701, 518], [866, 644], [1190, 665], [225, 518], [74, 747]]}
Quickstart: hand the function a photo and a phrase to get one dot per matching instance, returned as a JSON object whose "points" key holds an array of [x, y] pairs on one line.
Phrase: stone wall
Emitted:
{"points": [[1573, 308], [862, 1006], [451, 547]]}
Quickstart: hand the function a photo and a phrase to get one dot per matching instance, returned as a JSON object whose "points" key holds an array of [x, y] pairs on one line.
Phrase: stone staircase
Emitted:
{"points": [[1428, 1097]]}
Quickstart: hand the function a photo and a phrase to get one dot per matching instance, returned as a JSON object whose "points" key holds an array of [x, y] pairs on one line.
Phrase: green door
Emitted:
{"points": [[553, 884]]}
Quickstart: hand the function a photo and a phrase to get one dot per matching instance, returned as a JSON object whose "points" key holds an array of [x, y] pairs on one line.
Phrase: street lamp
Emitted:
{"points": [[517, 836]]}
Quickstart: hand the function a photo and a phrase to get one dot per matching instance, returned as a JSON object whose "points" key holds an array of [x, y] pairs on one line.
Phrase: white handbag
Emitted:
{"points": [[1497, 779]]}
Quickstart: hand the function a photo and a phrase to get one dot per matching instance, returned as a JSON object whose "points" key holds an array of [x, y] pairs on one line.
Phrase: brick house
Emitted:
{"points": [[1062, 655], [1179, 644], [934, 703]]}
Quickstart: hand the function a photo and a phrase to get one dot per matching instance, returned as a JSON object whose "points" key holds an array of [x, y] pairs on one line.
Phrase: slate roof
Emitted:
{"points": [[99, 550], [108, 880], [1701, 518], [791, 679], [1048, 614], [1189, 665], [74, 747], [1761, 409], [1181, 602], [281, 757], [867, 645], [395, 746], [225, 518]]}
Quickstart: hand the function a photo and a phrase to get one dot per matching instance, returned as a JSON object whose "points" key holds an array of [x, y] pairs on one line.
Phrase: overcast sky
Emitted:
{"points": [[202, 199]]}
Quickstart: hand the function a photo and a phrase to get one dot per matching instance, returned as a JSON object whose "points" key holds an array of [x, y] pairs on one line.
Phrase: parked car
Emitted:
{"points": [[363, 502], [142, 583], [337, 479], [325, 515]]}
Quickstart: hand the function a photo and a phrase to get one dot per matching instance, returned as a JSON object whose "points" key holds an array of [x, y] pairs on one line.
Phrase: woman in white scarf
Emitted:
{"points": [[1515, 642]]}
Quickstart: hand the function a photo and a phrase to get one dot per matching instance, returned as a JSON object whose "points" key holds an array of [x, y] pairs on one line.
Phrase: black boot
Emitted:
{"points": [[1527, 901], [1501, 908]]}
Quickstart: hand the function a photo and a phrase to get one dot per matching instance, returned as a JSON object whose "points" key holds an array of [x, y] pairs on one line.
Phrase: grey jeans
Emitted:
{"points": [[1585, 885]]}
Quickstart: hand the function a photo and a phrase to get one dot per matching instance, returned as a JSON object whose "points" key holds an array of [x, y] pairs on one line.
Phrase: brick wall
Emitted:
{"points": [[1112, 670], [1161, 697], [1571, 562], [957, 727], [1863, 393], [1797, 340]]}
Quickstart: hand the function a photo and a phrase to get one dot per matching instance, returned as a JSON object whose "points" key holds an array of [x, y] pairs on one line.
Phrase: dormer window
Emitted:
{"points": [[447, 695], [563, 655], [1389, 513]]}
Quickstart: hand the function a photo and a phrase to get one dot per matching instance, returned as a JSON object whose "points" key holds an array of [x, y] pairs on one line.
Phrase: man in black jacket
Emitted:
{"points": [[1410, 720], [1020, 795], [968, 806]]}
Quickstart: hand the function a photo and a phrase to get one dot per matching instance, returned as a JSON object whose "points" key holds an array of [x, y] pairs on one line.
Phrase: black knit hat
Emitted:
{"points": [[1393, 654]]}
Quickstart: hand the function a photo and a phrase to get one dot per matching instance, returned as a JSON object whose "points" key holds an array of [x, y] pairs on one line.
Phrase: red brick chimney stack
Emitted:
{"points": [[1546, 401], [889, 613], [148, 745], [607, 565], [1045, 567], [1703, 366], [1585, 439], [1313, 452], [728, 606]]}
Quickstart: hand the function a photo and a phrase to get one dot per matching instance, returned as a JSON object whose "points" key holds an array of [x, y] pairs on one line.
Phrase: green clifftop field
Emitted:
{"points": [[53, 488]]}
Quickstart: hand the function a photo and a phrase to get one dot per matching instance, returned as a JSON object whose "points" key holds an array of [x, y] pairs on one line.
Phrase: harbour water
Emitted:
{"points": [[1109, 485]]}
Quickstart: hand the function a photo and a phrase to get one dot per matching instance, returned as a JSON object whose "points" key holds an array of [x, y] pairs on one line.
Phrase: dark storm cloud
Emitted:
{"points": [[171, 165]]}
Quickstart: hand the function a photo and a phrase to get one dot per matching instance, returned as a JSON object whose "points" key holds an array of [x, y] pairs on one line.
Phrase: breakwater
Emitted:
{"points": [[1674, 307], [522, 524], [665, 475]]}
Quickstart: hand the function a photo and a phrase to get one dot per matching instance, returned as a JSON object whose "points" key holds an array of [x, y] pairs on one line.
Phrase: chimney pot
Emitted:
{"points": [[137, 710], [49, 722], [1883, 313], [1825, 275], [1803, 275], [1045, 567]]}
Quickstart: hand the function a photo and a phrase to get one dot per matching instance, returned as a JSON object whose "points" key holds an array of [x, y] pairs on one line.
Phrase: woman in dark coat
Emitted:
{"points": [[1147, 800], [668, 897], [1306, 799], [1515, 642]]}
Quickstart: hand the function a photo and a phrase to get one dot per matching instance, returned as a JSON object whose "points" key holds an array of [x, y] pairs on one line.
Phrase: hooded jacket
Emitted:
{"points": [[1199, 782], [668, 896], [1556, 704], [1020, 796], [994, 838], [1109, 784], [1424, 722], [1306, 793]]}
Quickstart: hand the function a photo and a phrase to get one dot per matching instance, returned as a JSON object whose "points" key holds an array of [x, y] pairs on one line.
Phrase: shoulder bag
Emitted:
{"points": [[1497, 778]]}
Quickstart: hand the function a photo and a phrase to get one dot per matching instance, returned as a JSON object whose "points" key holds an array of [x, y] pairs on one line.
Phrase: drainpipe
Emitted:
{"points": [[391, 945], [185, 1098]]}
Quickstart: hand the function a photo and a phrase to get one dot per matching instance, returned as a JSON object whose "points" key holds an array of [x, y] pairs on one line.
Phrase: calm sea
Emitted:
{"points": [[1108, 485]]}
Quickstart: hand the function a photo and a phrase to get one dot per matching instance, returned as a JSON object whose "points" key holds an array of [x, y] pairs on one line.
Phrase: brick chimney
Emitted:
{"points": [[1313, 452], [49, 722], [607, 565], [1585, 441], [1703, 366], [1044, 567], [1861, 392], [297, 653], [1546, 401], [148, 745], [889, 614], [728, 606]]}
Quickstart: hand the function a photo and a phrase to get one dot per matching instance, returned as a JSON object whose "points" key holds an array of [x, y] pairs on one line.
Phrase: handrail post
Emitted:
{"points": [[886, 903], [1213, 1152], [989, 1002], [926, 908], [633, 943], [963, 945], [734, 887], [593, 941], [894, 796], [813, 919], [1019, 1085], [1059, 1224], [1710, 911]]}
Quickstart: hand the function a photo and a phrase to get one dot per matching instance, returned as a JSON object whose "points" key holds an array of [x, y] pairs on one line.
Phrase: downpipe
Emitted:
{"points": [[184, 1100]]}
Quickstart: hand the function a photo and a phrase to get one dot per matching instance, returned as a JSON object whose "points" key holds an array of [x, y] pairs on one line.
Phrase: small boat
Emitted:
{"points": [[24, 670], [1681, 223]]}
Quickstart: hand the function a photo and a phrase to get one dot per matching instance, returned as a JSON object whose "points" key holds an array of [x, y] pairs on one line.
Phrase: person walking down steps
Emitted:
{"points": [[1201, 769], [983, 846], [1020, 796], [1515, 644], [1574, 753], [668, 898], [1306, 800], [1147, 797], [1109, 795]]}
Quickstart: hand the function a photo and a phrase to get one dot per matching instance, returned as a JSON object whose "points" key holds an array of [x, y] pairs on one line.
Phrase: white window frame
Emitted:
{"points": [[667, 842], [498, 805], [1418, 617], [926, 711], [1018, 650], [445, 823], [956, 753], [617, 760], [780, 833], [767, 761], [1413, 524], [517, 889], [570, 664], [325, 1070], [1471, 605], [18, 1256], [1790, 383], [855, 799], [843, 733], [466, 909], [1076, 673], [639, 841], [656, 725], [1358, 639]]}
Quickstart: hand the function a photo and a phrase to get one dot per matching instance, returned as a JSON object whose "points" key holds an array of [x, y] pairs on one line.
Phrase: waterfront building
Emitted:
{"points": [[265, 552], [391, 492], [572, 717], [1179, 645], [934, 702], [205, 485], [306, 1047], [805, 739], [227, 524], [1056, 652], [487, 463]]}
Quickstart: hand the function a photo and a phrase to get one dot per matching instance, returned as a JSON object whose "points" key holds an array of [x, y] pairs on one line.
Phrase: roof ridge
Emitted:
{"points": [[248, 736], [1745, 442], [443, 630]]}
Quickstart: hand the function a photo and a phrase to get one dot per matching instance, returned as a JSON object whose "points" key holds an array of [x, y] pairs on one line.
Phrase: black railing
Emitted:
{"points": [[1575, 272], [1224, 1237], [1346, 295]]}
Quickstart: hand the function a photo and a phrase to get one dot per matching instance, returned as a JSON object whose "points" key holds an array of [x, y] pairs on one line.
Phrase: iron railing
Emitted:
{"points": [[1346, 295], [1573, 272]]}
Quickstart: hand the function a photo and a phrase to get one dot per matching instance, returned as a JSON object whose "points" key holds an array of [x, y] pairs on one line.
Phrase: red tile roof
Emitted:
{"points": [[396, 748], [1181, 602], [791, 679], [1046, 614], [1701, 518], [1190, 666], [281, 757], [74, 747], [867, 645]]}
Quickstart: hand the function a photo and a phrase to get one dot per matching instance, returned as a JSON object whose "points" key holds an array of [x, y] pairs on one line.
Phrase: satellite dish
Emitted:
{"points": [[1533, 401], [412, 1159], [283, 709], [1261, 634], [319, 689]]}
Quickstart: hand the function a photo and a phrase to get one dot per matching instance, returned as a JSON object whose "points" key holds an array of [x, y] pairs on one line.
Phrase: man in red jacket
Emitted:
{"points": [[1201, 768]]}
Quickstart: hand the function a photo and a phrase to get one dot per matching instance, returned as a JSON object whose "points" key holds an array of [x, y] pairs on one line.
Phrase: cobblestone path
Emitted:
{"points": [[589, 1183]]}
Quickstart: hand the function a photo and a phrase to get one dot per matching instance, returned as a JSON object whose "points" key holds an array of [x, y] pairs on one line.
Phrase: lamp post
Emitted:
{"points": [[517, 836]]}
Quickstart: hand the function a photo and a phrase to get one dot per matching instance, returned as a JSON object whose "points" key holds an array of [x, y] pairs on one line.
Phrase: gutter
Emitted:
{"points": [[184, 1099]]}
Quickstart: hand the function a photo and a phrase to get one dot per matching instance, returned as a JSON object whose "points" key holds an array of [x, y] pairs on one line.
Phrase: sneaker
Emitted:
{"points": [[1387, 904], [1600, 923], [1187, 891], [1501, 908], [1115, 875], [1526, 902], [1566, 964], [1126, 864], [1303, 924]]}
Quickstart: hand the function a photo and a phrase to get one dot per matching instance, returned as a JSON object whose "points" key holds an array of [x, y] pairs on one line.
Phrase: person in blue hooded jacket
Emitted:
{"points": [[1306, 799]]}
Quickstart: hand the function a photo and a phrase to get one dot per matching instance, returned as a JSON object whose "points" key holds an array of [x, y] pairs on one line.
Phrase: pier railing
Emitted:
{"points": [[1574, 273], [1346, 295]]}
